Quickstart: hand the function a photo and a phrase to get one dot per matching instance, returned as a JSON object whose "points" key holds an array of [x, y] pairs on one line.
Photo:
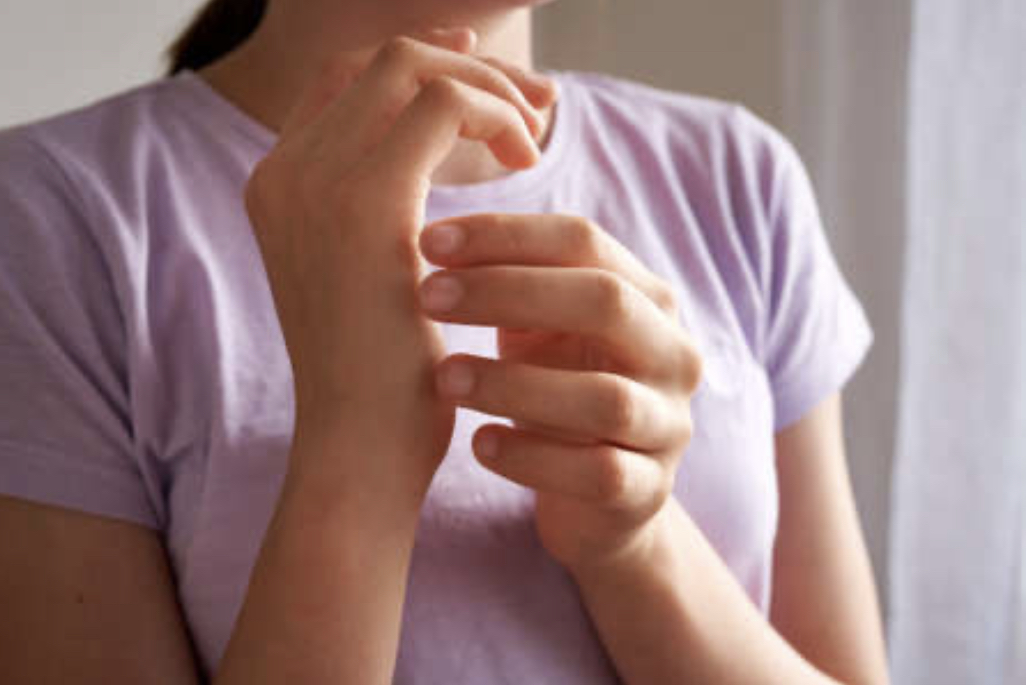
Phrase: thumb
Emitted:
{"points": [[336, 74]]}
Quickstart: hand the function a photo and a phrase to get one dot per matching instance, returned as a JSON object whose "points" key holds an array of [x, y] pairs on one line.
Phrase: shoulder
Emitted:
{"points": [[672, 116], [709, 174], [104, 120], [708, 145], [626, 100], [100, 171], [70, 183], [95, 143], [727, 164]]}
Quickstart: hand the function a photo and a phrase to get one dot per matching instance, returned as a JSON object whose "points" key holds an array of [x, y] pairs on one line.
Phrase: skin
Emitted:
{"points": [[297, 40], [593, 370]]}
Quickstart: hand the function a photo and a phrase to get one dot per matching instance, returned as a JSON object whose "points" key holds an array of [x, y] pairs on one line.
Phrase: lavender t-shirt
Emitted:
{"points": [[143, 374]]}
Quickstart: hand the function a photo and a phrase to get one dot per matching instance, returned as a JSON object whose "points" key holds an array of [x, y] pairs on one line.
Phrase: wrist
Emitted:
{"points": [[323, 478], [649, 548]]}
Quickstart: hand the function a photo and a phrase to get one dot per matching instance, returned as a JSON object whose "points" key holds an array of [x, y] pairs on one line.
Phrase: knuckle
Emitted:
{"points": [[693, 366], [619, 408], [496, 80], [443, 92], [614, 301], [665, 487], [612, 475], [397, 52], [665, 297], [586, 239]]}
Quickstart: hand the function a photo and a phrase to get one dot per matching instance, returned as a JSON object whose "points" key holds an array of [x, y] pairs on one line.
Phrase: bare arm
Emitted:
{"points": [[326, 595], [667, 608], [90, 600], [336, 207], [86, 599], [676, 614], [824, 600]]}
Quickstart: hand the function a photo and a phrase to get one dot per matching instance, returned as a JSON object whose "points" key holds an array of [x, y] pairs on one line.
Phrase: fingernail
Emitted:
{"points": [[440, 293], [445, 238], [487, 445], [456, 380]]}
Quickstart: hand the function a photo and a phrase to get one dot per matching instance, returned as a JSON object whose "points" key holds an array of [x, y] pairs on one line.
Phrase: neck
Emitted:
{"points": [[267, 73]]}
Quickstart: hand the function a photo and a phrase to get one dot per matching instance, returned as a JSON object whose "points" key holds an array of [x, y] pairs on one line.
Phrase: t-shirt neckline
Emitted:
{"points": [[517, 183]]}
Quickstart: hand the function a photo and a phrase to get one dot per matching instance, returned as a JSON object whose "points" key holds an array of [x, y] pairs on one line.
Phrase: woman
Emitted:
{"points": [[227, 399]]}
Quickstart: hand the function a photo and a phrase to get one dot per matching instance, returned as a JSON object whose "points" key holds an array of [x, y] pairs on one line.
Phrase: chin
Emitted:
{"points": [[435, 12], [505, 3], [485, 4]]}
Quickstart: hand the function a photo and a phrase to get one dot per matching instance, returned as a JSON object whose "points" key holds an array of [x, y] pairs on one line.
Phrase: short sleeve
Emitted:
{"points": [[66, 436], [816, 333]]}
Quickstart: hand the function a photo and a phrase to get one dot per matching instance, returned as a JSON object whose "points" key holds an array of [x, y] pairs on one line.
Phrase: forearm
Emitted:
{"points": [[326, 595], [674, 614]]}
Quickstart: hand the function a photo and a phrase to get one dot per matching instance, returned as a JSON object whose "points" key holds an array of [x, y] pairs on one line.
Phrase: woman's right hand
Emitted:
{"points": [[337, 206]]}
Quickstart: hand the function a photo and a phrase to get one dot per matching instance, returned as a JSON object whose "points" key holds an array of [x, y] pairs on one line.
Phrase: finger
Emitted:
{"points": [[458, 38], [339, 72], [593, 405], [400, 69], [598, 473], [444, 110], [539, 89], [584, 301], [540, 240]]}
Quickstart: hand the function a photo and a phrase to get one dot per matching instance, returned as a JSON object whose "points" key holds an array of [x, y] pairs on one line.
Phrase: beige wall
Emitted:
{"points": [[59, 54], [726, 48]]}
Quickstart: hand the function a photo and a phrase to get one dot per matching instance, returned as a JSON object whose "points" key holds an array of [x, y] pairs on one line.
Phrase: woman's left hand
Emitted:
{"points": [[594, 370]]}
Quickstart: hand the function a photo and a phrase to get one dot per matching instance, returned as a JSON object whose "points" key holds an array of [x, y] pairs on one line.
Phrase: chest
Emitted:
{"points": [[478, 572]]}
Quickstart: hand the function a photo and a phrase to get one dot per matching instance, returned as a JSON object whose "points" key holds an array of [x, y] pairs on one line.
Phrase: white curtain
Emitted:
{"points": [[911, 117], [844, 84], [957, 563]]}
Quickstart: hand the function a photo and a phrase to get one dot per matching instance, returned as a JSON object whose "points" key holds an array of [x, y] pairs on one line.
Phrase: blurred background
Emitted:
{"points": [[910, 116]]}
